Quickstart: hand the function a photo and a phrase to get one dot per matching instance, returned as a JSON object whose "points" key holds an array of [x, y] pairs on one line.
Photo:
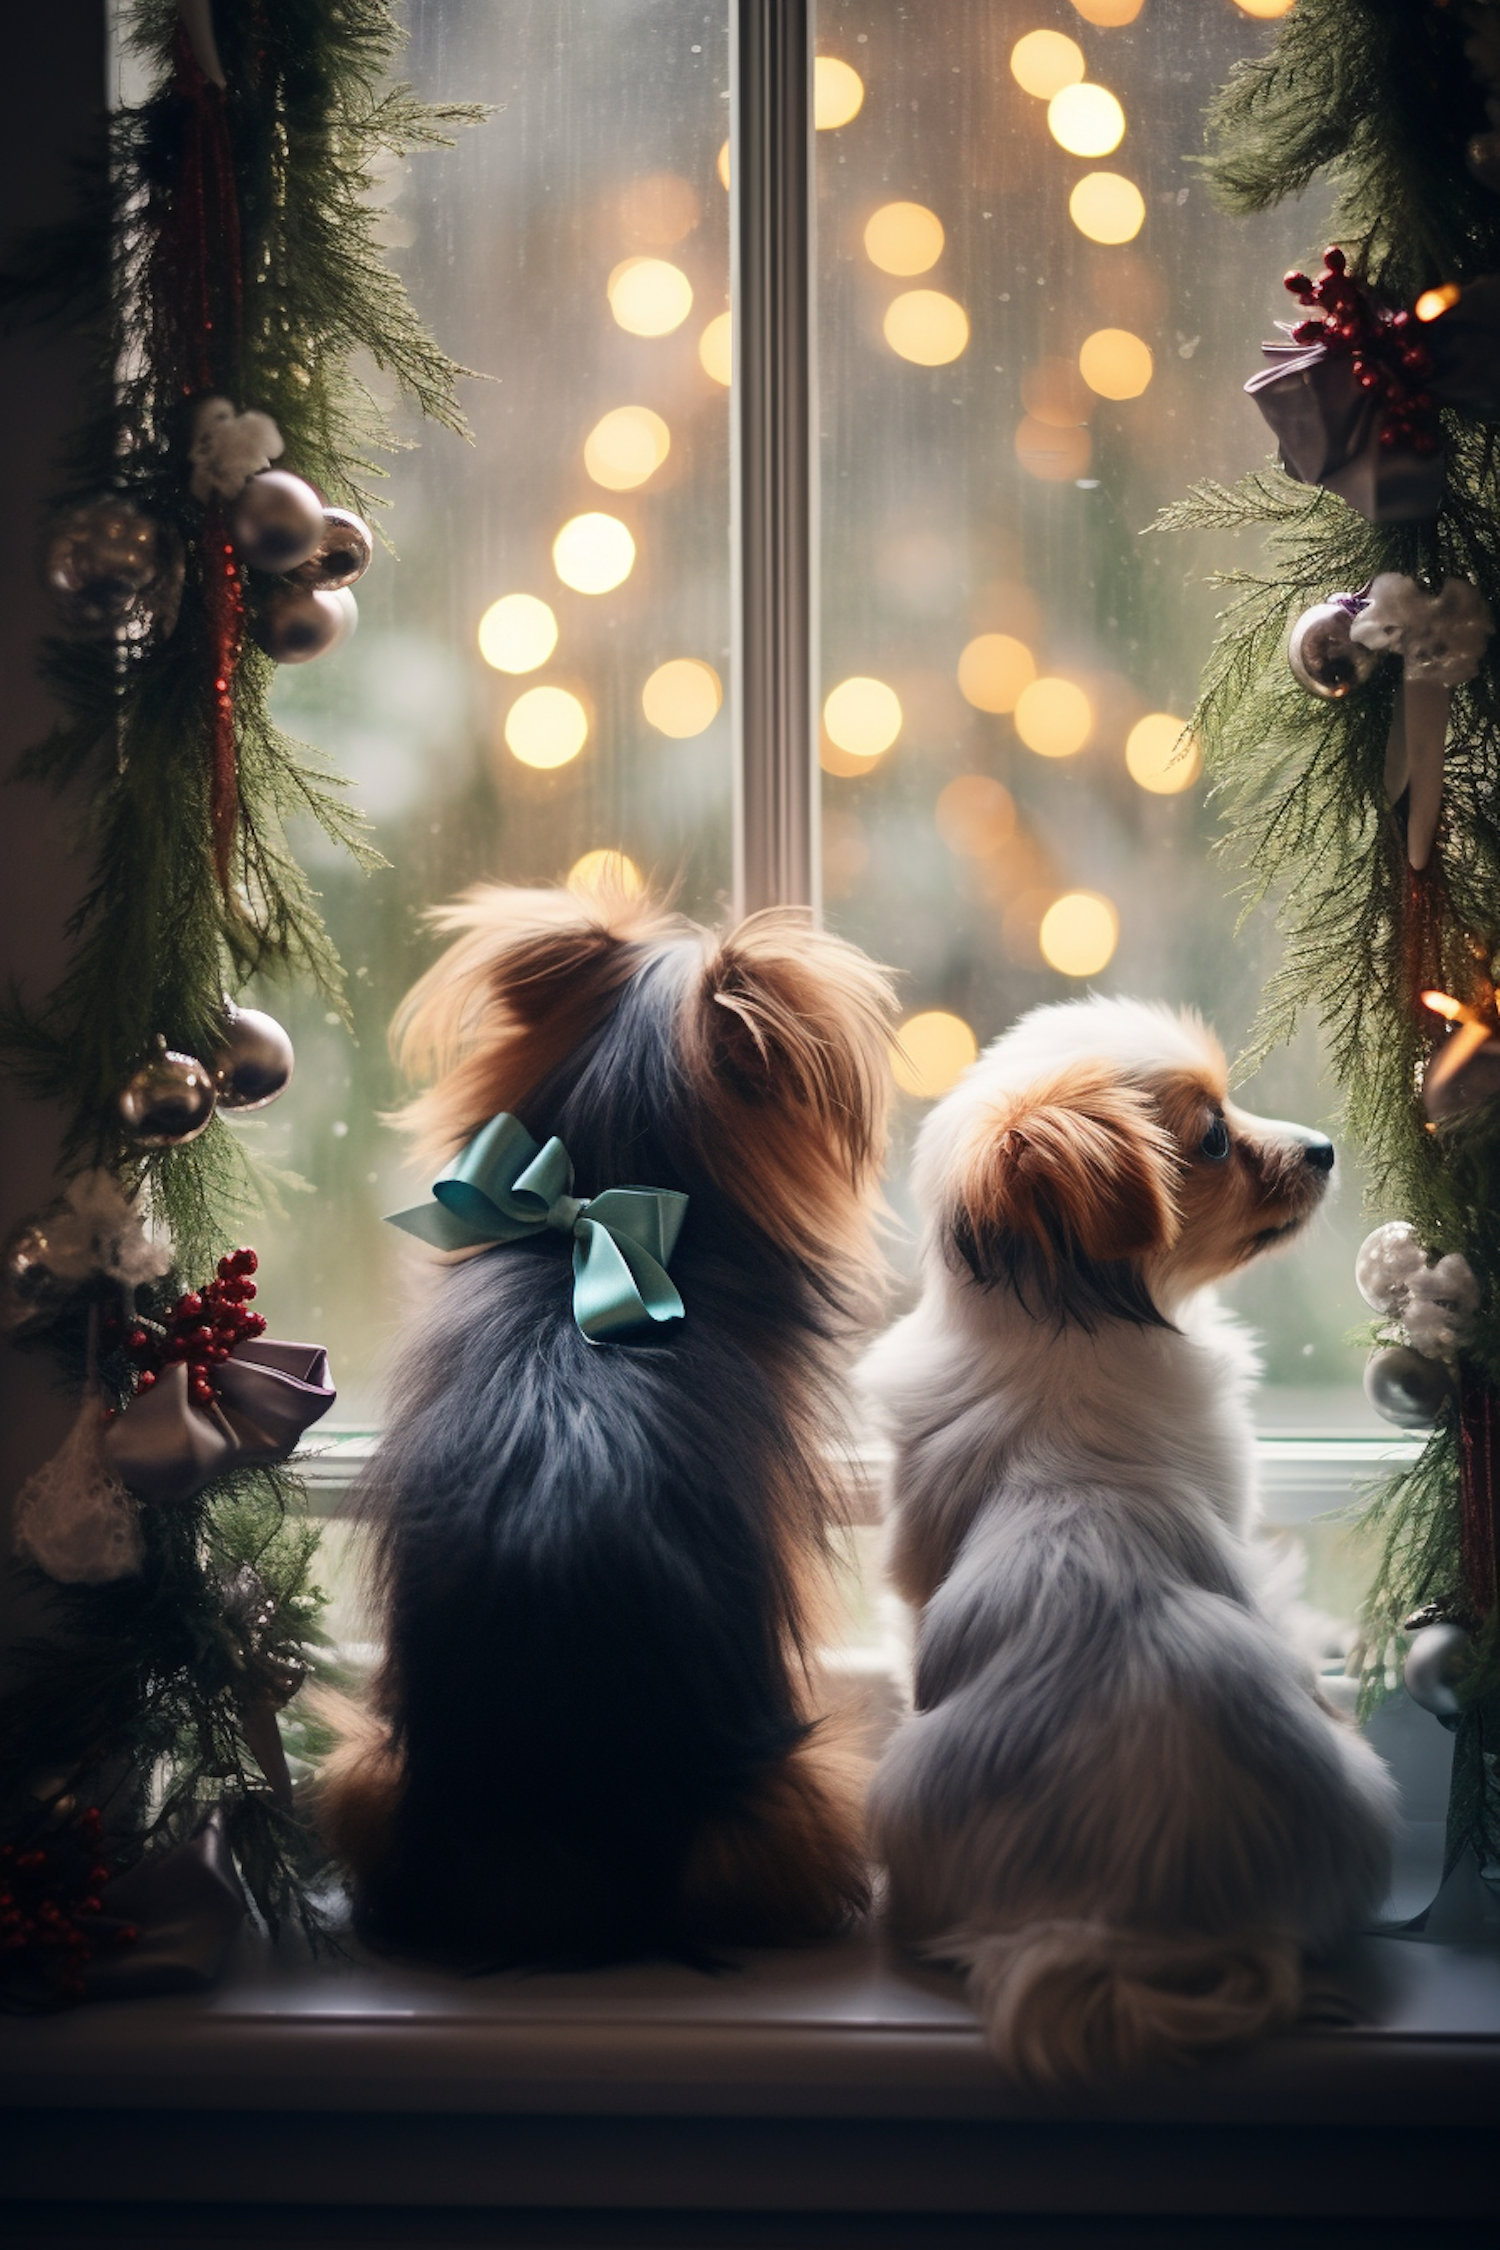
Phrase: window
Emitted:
{"points": [[1025, 343]]}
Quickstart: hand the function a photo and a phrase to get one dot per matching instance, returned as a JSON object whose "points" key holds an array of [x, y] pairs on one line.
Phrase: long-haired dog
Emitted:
{"points": [[593, 1732], [1118, 1802]]}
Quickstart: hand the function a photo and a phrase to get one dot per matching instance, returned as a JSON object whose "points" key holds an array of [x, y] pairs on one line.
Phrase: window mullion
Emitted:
{"points": [[776, 856]]}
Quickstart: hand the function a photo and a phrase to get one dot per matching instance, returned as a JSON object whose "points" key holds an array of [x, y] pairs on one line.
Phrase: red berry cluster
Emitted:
{"points": [[202, 1329], [1386, 354], [50, 1903]]}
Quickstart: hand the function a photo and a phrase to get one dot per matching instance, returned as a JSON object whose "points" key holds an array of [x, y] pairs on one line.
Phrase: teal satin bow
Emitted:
{"points": [[503, 1188]]}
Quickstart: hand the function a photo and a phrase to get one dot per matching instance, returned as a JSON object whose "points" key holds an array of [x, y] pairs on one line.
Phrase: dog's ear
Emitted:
{"points": [[1063, 1193], [789, 1044], [528, 976]]}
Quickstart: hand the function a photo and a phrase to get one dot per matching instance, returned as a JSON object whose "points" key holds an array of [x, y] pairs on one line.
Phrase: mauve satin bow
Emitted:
{"points": [[164, 1447]]}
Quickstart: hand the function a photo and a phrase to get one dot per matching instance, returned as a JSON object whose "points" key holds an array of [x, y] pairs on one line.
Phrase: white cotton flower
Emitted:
{"points": [[1440, 637], [228, 449], [98, 1231]]}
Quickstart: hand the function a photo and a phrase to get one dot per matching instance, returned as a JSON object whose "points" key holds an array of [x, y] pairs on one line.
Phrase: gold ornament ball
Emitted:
{"points": [[1324, 656], [254, 1065], [342, 554], [276, 522], [167, 1101]]}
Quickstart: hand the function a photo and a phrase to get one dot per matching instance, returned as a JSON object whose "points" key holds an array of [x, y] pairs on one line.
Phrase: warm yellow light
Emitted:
{"points": [[649, 296], [1158, 758], [1264, 8], [593, 553], [863, 717], [926, 327], [659, 207], [904, 238], [1052, 390], [836, 761], [975, 816], [838, 92], [1085, 120], [517, 633], [1115, 363], [546, 727], [1107, 207], [626, 446], [993, 670], [1107, 13], [1054, 718], [1443, 1004], [1433, 303], [721, 165], [603, 870], [932, 1053], [1079, 933], [716, 348], [682, 697], [1048, 451], [1044, 62]]}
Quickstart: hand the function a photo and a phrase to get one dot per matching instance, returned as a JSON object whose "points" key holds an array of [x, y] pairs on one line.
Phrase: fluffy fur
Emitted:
{"points": [[594, 1730], [1118, 1801]]}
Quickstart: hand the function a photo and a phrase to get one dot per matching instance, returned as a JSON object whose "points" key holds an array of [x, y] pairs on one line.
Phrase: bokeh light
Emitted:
{"points": [[716, 348], [626, 446], [659, 208], [1046, 450], [932, 1053], [838, 91], [904, 238], [1079, 933], [1433, 303], [992, 671], [926, 327], [649, 296], [863, 717], [1108, 13], [1052, 390], [721, 165], [682, 697], [1044, 62], [1115, 363], [975, 816], [1264, 8], [1054, 718], [605, 870], [546, 727], [593, 553], [1157, 757], [1107, 207], [517, 633], [1086, 120]]}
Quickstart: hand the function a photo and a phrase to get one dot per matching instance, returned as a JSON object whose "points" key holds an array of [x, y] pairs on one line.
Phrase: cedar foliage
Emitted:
{"points": [[1377, 98], [152, 1675]]}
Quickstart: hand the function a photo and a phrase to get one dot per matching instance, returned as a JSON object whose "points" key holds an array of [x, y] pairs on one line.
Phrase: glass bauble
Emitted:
{"points": [[102, 559], [342, 554], [276, 522], [297, 623], [167, 1100], [254, 1064], [1407, 1388], [1323, 656]]}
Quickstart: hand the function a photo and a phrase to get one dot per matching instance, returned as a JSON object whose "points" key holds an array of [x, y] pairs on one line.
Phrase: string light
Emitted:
{"points": [[1079, 934], [863, 717], [1107, 207], [682, 697], [593, 553], [1158, 758], [649, 296], [932, 1052], [1043, 62], [1115, 363], [1086, 120], [546, 727], [605, 870], [517, 633], [975, 816], [1108, 13], [926, 327], [716, 348], [993, 670], [625, 447], [904, 238], [838, 93], [1054, 718]]}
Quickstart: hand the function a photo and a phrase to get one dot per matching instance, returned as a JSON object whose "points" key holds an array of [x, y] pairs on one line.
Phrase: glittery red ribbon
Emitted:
{"points": [[1479, 1499], [196, 295], [1422, 936]]}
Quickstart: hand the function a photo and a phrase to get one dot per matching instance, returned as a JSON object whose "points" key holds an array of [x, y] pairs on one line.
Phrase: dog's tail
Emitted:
{"points": [[1078, 2003]]}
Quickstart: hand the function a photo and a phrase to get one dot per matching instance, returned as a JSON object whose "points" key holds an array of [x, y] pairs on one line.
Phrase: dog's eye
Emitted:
{"points": [[1215, 1142]]}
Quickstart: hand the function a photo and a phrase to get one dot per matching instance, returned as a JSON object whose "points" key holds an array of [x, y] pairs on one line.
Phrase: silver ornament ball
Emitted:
{"points": [[102, 559], [297, 623], [342, 554], [1386, 1264], [167, 1100], [1405, 1388], [276, 522], [1435, 1665], [31, 1289], [254, 1065], [1323, 656]]}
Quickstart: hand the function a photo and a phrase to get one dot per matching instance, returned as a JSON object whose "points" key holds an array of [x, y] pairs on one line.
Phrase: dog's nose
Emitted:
{"points": [[1319, 1154]]}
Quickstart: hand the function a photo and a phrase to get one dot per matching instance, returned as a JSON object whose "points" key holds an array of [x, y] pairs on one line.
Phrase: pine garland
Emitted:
{"points": [[1377, 97], [227, 247]]}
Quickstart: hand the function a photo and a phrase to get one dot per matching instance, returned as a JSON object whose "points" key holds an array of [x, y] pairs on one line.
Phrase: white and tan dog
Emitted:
{"points": [[1118, 1802]]}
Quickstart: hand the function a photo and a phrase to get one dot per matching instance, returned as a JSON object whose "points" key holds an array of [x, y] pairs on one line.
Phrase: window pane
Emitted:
{"points": [[1034, 329], [543, 675]]}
